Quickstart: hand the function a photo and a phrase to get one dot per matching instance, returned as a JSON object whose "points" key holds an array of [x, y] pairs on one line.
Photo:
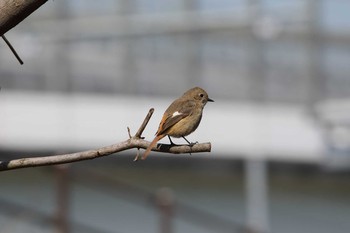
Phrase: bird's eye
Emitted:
{"points": [[201, 95]]}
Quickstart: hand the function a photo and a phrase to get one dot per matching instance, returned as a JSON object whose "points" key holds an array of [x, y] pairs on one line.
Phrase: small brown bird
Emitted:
{"points": [[182, 117]]}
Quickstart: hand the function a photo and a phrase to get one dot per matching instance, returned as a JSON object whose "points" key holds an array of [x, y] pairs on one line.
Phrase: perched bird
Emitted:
{"points": [[182, 117]]}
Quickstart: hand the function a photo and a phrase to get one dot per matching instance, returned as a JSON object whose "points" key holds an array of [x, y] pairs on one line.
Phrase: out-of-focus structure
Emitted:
{"points": [[278, 71]]}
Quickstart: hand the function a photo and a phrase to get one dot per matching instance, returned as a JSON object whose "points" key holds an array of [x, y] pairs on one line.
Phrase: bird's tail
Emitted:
{"points": [[153, 143]]}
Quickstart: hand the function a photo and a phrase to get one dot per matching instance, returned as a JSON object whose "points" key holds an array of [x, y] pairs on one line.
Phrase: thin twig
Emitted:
{"points": [[144, 123], [12, 49], [129, 132], [137, 155], [141, 129]]}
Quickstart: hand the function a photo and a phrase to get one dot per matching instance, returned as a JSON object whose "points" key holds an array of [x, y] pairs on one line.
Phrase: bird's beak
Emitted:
{"points": [[210, 100]]}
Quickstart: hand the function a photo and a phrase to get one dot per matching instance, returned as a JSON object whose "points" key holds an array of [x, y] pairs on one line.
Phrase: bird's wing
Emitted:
{"points": [[176, 112]]}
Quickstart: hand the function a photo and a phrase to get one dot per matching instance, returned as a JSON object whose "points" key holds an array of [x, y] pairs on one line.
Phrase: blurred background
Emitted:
{"points": [[279, 127]]}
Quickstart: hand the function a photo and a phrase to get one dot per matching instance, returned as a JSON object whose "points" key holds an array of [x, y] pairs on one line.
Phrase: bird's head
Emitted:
{"points": [[198, 94]]}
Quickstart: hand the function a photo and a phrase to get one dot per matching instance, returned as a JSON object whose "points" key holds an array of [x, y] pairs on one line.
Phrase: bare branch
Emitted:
{"points": [[12, 12], [133, 142]]}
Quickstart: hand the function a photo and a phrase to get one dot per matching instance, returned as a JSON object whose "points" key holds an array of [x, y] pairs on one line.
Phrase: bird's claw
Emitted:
{"points": [[193, 143]]}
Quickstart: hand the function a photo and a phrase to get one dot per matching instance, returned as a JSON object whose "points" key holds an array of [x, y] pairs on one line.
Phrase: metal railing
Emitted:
{"points": [[243, 53], [161, 200]]}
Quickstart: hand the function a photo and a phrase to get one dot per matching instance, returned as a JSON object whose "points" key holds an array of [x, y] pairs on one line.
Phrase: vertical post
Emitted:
{"points": [[192, 44], [62, 214], [58, 70], [165, 204], [128, 72], [316, 79], [256, 52], [257, 195]]}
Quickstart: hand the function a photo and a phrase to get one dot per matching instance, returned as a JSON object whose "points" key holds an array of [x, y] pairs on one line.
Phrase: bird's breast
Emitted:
{"points": [[185, 126]]}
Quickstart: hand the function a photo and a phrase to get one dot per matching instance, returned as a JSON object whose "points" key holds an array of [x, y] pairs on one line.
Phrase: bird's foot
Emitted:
{"points": [[193, 143]]}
